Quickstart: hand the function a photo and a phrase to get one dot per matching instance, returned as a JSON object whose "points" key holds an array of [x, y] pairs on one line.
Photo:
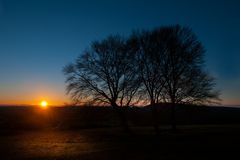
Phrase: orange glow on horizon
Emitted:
{"points": [[31, 93], [44, 104], [32, 100]]}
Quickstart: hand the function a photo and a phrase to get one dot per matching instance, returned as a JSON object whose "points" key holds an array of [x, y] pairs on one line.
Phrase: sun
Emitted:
{"points": [[44, 104]]}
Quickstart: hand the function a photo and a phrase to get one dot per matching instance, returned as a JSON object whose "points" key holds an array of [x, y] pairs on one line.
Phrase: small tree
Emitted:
{"points": [[105, 74]]}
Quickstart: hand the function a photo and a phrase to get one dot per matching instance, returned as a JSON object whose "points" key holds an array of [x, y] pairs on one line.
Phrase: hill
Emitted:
{"points": [[25, 117]]}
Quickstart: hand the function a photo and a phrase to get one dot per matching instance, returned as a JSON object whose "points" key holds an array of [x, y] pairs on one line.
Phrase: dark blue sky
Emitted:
{"points": [[39, 37]]}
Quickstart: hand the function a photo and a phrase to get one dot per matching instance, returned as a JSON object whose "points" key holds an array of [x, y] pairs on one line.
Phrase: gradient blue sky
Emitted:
{"points": [[39, 37]]}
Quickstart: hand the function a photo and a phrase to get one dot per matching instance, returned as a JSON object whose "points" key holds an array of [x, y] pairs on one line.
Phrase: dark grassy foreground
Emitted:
{"points": [[190, 142], [94, 133], [65, 118]]}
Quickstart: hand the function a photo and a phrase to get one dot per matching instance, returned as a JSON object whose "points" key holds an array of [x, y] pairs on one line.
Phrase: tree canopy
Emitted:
{"points": [[164, 65], [104, 74], [171, 66]]}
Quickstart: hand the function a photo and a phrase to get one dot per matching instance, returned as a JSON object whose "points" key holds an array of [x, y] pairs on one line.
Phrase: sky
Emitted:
{"points": [[39, 37]]}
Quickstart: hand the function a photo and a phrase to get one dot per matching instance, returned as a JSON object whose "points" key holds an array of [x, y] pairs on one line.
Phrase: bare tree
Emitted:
{"points": [[183, 69], [105, 74], [149, 58], [170, 61], [166, 64]]}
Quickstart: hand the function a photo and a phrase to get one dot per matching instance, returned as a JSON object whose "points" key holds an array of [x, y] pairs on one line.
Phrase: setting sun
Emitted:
{"points": [[44, 104]]}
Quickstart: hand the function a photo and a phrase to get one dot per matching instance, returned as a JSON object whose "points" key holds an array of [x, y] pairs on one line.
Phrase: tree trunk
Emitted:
{"points": [[173, 116], [122, 116], [155, 117]]}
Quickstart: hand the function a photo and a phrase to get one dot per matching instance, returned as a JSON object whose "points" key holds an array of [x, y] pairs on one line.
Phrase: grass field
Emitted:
{"points": [[189, 142], [94, 134]]}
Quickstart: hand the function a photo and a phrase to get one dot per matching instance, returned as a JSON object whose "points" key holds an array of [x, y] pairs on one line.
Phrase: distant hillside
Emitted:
{"points": [[88, 117]]}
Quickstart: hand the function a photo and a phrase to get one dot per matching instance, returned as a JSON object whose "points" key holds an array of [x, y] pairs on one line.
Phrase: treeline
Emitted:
{"points": [[164, 65]]}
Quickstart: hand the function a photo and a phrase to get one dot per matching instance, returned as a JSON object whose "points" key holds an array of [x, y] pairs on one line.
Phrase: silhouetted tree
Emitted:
{"points": [[185, 80], [105, 74], [170, 61], [148, 46]]}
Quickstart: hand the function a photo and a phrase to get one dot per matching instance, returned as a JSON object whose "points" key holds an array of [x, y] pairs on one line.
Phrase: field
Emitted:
{"points": [[71, 139], [190, 142]]}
